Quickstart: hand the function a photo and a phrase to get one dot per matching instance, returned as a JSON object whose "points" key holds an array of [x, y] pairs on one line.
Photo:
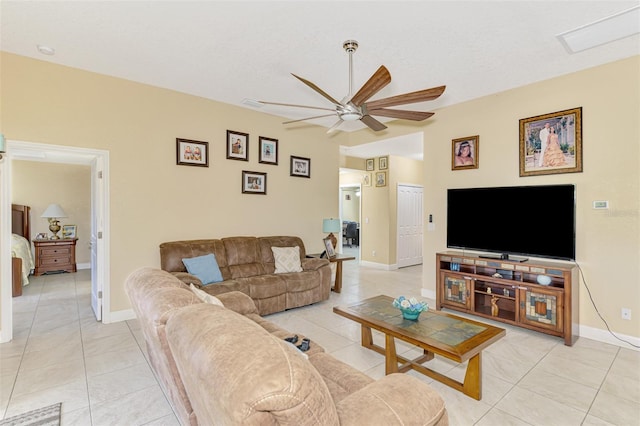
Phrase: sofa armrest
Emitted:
{"points": [[238, 302], [187, 278], [313, 263], [396, 399]]}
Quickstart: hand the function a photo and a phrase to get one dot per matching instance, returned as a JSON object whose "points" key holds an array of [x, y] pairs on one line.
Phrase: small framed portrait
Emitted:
{"points": [[369, 164], [551, 143], [381, 178], [300, 167], [42, 236], [366, 179], [464, 153], [383, 163], [254, 182], [328, 247], [192, 153], [69, 231], [237, 146], [268, 150]]}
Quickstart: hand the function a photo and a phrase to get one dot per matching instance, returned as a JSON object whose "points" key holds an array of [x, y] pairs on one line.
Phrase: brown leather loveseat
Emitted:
{"points": [[247, 265]]}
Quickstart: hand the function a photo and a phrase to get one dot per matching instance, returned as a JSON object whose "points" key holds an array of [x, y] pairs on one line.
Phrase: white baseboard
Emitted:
{"points": [[117, 316], [83, 265], [605, 336], [378, 265]]}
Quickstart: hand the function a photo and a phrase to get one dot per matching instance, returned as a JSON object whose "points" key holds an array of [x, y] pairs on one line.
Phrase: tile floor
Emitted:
{"points": [[100, 374]]}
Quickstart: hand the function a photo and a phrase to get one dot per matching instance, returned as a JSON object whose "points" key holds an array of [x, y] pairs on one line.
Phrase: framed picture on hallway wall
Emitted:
{"points": [[464, 153], [237, 145], [369, 164], [300, 167], [268, 150], [551, 143], [254, 182], [192, 153]]}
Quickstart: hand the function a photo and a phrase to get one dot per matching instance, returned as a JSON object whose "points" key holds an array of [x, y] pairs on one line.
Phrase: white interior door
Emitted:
{"points": [[410, 228], [96, 243]]}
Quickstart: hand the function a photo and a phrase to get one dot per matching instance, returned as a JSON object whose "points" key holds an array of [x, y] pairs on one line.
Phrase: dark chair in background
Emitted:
{"points": [[352, 234]]}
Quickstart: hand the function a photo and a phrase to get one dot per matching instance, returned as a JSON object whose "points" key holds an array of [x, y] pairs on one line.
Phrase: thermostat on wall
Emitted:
{"points": [[600, 205]]}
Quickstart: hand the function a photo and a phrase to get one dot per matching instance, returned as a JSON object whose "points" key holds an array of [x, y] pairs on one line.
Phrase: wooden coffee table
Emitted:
{"points": [[450, 336]]}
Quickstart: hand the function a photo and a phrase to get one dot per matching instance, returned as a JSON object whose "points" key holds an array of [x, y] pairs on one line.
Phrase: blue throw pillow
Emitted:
{"points": [[205, 268]]}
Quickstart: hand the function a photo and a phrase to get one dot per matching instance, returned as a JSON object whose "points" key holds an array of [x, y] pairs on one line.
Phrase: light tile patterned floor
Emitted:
{"points": [[100, 374]]}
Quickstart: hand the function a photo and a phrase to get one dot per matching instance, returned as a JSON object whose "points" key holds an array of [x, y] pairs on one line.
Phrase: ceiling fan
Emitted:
{"points": [[355, 107]]}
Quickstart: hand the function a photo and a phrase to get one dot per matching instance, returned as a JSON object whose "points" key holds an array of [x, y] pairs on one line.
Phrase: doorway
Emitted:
{"points": [[410, 228], [99, 162], [350, 214]]}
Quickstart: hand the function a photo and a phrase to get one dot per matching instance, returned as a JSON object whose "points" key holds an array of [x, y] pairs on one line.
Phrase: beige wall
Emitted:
{"points": [[607, 242], [39, 184], [379, 206], [152, 199], [350, 206]]}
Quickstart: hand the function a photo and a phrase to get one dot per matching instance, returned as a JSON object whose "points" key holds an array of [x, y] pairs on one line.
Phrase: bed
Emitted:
{"points": [[22, 255]]}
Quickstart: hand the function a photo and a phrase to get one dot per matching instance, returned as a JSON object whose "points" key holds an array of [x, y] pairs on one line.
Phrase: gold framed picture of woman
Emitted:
{"points": [[551, 143], [464, 153]]}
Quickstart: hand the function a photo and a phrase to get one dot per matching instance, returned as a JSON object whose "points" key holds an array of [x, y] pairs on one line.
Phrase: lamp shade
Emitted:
{"points": [[54, 210], [330, 225]]}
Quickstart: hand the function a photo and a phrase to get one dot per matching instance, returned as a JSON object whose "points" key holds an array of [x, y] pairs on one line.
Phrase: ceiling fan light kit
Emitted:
{"points": [[355, 107]]}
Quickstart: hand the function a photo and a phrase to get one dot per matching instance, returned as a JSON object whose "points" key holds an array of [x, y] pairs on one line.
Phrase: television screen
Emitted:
{"points": [[534, 221]]}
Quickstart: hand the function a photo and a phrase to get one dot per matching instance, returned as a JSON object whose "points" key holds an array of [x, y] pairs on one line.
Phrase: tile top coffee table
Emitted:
{"points": [[459, 339]]}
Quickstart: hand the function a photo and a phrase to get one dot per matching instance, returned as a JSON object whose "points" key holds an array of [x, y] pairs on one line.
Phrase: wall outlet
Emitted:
{"points": [[626, 313], [373, 253]]}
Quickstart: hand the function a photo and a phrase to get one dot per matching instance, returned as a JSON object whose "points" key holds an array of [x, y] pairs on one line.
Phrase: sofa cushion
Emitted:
{"points": [[204, 267], [205, 297], [172, 253], [277, 387], [287, 259], [266, 252]]}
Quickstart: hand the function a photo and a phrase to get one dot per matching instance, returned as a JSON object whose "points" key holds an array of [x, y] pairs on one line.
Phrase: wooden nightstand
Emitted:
{"points": [[55, 255]]}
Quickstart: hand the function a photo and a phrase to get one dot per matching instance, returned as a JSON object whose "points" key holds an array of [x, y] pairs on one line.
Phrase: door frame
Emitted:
{"points": [[340, 195], [33, 151], [413, 185]]}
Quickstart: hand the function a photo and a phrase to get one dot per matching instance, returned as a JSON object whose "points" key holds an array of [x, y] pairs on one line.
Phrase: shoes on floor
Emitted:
{"points": [[304, 346], [292, 339]]}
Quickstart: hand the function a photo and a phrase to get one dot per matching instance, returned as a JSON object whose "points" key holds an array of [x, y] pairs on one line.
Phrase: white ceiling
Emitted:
{"points": [[228, 51]]}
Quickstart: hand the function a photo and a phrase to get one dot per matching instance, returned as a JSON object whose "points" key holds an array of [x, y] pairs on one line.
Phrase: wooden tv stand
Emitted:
{"points": [[509, 292]]}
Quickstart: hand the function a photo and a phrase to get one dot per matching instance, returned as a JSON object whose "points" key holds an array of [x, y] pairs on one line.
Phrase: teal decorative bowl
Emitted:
{"points": [[410, 308], [410, 314]]}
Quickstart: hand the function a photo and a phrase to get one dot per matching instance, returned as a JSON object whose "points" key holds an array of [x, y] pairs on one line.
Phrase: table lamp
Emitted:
{"points": [[331, 226], [53, 212]]}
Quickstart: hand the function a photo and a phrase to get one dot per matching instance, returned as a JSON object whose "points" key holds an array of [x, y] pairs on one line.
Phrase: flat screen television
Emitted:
{"points": [[536, 221]]}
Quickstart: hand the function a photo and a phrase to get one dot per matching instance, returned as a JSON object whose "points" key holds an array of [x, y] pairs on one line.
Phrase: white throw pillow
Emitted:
{"points": [[287, 259], [205, 297]]}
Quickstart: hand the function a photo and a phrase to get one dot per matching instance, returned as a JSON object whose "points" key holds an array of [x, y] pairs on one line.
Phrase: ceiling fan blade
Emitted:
{"points": [[295, 105], [317, 89], [308, 118], [407, 98], [335, 126], [402, 114], [376, 82], [372, 123]]}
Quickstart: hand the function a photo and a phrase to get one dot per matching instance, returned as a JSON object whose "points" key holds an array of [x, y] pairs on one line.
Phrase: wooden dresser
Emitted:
{"points": [[55, 255]]}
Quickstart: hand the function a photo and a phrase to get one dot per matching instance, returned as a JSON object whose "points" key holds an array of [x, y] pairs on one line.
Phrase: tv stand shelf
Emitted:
{"points": [[509, 291]]}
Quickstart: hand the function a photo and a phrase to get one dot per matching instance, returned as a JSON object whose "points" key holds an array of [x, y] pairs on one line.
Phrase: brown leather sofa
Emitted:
{"points": [[228, 365], [247, 265]]}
